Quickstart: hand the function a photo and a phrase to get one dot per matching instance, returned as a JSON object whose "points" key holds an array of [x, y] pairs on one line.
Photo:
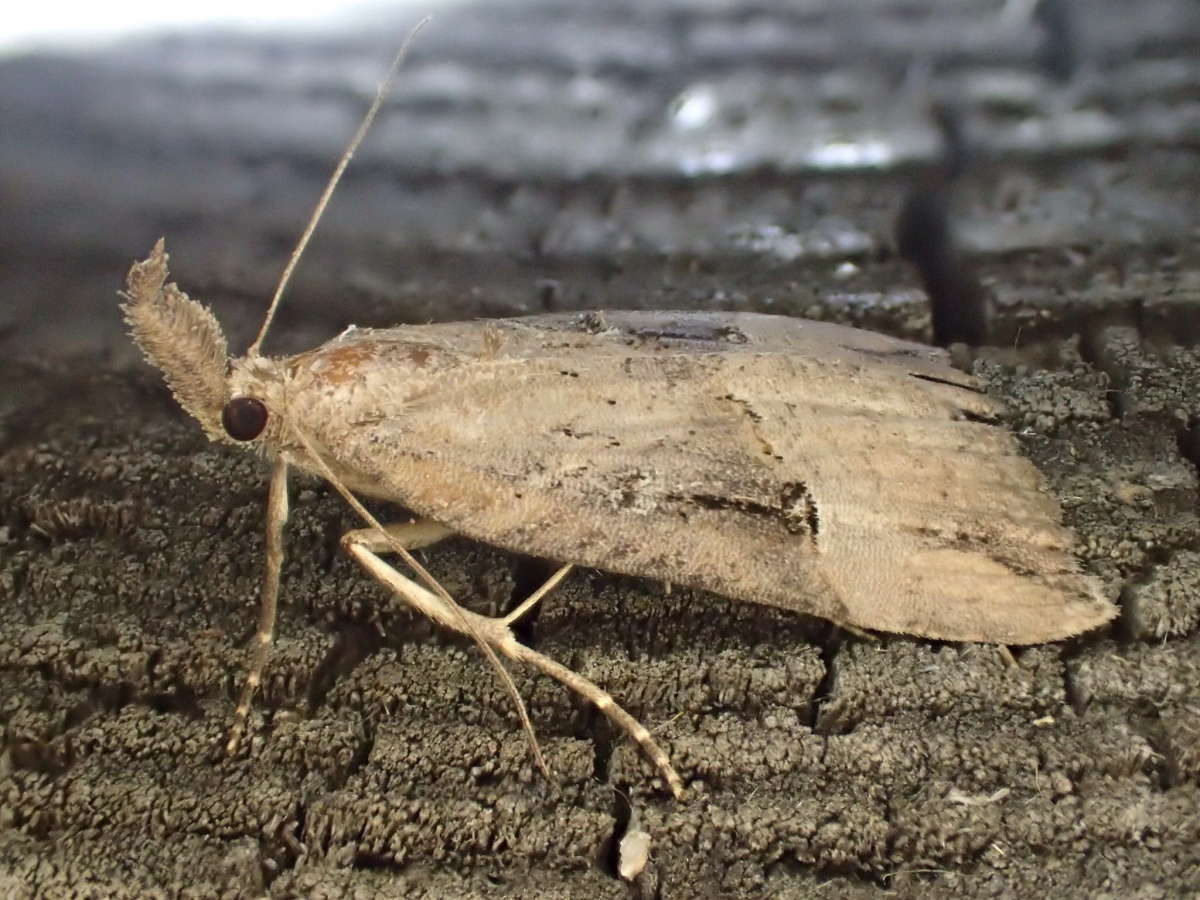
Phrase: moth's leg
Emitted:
{"points": [[496, 633], [533, 599], [409, 535], [858, 633], [604, 702], [400, 538], [277, 513], [424, 533]]}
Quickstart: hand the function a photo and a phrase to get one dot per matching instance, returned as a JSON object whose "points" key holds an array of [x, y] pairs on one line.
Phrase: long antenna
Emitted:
{"points": [[380, 95]]}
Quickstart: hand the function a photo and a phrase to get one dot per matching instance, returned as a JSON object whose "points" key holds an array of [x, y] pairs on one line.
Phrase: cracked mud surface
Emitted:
{"points": [[385, 757]]}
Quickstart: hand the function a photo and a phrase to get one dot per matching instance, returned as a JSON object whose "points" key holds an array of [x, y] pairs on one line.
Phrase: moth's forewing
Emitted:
{"points": [[799, 464]]}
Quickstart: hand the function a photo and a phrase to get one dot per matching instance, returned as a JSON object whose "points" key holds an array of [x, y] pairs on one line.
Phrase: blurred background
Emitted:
{"points": [[554, 154]]}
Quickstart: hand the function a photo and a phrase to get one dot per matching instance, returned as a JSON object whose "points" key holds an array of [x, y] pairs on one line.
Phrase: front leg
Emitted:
{"points": [[495, 634], [409, 535], [277, 513]]}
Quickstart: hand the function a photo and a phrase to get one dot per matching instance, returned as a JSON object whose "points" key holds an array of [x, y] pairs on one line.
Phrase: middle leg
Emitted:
{"points": [[496, 634]]}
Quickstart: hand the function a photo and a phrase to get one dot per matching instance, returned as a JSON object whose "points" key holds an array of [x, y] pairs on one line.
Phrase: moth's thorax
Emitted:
{"points": [[361, 376], [363, 368]]}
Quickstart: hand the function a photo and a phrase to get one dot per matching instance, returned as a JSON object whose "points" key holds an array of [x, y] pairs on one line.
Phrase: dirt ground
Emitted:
{"points": [[554, 156]]}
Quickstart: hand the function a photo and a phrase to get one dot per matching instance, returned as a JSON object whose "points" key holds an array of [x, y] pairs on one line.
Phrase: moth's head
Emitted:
{"points": [[184, 340]]}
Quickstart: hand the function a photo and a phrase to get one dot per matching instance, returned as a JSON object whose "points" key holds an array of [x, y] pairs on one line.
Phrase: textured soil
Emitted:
{"points": [[556, 156]]}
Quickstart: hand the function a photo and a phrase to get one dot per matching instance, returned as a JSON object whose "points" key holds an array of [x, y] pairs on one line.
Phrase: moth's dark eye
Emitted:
{"points": [[244, 418]]}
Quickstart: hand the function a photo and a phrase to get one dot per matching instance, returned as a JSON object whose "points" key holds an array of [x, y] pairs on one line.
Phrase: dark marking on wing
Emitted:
{"points": [[691, 331], [799, 504], [900, 351], [756, 419], [796, 510], [933, 379], [980, 417], [679, 329], [592, 322], [991, 543]]}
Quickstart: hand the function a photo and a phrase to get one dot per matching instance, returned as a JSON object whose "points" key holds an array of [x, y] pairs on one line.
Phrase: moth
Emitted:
{"points": [[808, 466]]}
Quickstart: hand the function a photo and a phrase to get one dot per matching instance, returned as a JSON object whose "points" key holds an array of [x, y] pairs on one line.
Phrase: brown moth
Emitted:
{"points": [[803, 465]]}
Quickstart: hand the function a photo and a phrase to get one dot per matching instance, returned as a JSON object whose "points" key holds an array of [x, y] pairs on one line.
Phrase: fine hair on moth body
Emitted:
{"points": [[808, 466]]}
